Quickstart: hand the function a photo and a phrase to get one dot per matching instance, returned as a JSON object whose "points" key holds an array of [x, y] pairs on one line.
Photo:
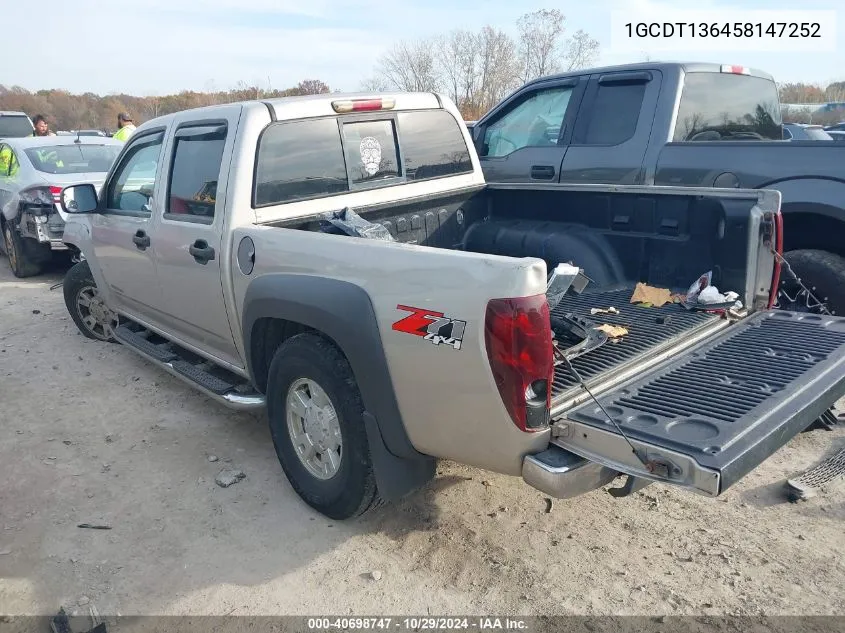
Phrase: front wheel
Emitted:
{"points": [[316, 421], [85, 305], [823, 273]]}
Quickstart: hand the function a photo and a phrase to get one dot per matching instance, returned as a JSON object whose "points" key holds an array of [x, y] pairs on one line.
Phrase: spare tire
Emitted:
{"points": [[823, 273]]}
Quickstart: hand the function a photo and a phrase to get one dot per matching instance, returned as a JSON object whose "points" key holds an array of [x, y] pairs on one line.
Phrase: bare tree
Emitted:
{"points": [[499, 69], [581, 51], [540, 34], [375, 84], [410, 66]]}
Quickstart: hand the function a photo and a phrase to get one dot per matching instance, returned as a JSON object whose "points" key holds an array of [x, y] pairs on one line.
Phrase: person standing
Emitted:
{"points": [[125, 127], [42, 128]]}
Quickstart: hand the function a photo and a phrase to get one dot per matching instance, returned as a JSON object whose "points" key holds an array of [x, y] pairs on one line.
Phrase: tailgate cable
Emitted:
{"points": [[649, 466], [782, 261]]}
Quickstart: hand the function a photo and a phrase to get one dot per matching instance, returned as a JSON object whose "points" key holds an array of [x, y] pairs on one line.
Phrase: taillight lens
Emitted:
{"points": [[518, 338], [777, 243], [56, 193]]}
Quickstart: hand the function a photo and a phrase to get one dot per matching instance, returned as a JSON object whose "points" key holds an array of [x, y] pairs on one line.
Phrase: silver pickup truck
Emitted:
{"points": [[340, 260]]}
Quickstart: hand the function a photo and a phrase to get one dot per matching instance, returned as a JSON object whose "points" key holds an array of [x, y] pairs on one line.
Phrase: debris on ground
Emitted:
{"points": [[228, 477], [650, 296], [548, 505], [375, 575], [212, 458], [610, 310], [613, 331], [89, 526]]}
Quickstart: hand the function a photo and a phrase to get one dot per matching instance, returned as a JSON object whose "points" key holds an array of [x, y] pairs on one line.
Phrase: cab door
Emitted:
{"points": [[121, 231], [189, 247]]}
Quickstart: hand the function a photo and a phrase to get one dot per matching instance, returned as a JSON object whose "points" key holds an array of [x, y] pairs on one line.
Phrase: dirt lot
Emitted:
{"points": [[93, 434]]}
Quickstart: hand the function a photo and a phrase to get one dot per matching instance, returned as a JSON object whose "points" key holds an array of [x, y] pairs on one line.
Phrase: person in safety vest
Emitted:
{"points": [[42, 128], [125, 127], [8, 163]]}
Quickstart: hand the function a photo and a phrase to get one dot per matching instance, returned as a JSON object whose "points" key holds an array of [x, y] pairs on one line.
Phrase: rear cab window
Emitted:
{"points": [[15, 126], [313, 158], [727, 107]]}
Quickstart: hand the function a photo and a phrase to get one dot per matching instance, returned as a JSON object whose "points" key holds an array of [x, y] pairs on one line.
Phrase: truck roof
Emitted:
{"points": [[305, 106], [689, 67]]}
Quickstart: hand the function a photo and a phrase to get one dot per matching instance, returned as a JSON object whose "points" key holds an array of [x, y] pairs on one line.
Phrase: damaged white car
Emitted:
{"points": [[33, 171]]}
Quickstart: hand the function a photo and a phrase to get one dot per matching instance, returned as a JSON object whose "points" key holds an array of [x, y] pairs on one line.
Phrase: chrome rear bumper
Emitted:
{"points": [[563, 475]]}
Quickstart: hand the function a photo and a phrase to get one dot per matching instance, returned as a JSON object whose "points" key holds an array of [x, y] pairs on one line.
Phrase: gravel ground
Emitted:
{"points": [[93, 434]]}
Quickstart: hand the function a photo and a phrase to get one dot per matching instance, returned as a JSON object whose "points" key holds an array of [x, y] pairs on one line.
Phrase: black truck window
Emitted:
{"points": [[614, 113], [433, 145], [299, 160], [727, 107]]}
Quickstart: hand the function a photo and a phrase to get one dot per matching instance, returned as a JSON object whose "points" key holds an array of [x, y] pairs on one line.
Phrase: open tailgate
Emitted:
{"points": [[713, 413]]}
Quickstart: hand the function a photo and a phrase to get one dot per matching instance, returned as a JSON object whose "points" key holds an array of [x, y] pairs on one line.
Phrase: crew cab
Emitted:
{"points": [[340, 260], [680, 124]]}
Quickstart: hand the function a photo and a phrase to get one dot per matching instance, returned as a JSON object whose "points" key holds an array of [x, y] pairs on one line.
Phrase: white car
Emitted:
{"points": [[33, 171]]}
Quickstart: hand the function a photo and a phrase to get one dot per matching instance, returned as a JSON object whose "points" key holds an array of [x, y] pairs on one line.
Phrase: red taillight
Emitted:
{"points": [[777, 243], [518, 337], [735, 70], [363, 105], [56, 192]]}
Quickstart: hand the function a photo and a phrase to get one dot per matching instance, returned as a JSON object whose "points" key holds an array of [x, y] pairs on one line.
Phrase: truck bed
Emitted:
{"points": [[646, 336]]}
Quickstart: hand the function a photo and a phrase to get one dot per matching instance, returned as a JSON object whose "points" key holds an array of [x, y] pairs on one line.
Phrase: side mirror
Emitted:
{"points": [[79, 199]]}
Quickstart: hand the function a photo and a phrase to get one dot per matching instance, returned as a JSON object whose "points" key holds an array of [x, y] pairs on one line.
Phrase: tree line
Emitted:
{"points": [[806, 93], [66, 111], [477, 69]]}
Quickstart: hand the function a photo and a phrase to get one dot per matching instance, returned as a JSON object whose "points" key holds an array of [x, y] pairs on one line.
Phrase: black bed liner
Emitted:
{"points": [[646, 334], [731, 402]]}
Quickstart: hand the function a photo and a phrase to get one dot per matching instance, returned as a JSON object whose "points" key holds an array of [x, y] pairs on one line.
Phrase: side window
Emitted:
{"points": [[534, 122], [194, 170], [131, 187], [299, 160], [614, 113], [433, 145], [370, 148]]}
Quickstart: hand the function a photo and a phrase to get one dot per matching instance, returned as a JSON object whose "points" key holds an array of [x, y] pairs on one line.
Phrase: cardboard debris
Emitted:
{"points": [[655, 297], [613, 331], [610, 310]]}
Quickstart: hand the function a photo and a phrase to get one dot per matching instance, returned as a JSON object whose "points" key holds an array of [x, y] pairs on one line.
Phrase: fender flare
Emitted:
{"points": [[343, 312]]}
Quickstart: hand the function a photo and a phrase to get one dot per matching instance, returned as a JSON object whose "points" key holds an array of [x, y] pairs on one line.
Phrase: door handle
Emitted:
{"points": [[201, 252], [542, 172], [141, 239]]}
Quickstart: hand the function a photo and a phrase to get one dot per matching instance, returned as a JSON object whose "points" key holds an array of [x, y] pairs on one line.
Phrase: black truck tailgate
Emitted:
{"points": [[710, 415]]}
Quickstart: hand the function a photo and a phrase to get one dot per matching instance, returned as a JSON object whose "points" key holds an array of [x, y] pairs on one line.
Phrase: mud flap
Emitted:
{"points": [[709, 416]]}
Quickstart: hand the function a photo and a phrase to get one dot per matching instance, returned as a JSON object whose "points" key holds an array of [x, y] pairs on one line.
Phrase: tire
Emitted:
{"points": [[97, 321], [351, 490], [822, 272], [23, 252]]}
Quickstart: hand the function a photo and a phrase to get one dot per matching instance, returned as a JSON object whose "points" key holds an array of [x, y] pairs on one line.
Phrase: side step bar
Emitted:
{"points": [[194, 375]]}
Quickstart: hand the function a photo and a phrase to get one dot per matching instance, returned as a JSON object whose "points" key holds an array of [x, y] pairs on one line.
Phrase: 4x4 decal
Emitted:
{"points": [[432, 326]]}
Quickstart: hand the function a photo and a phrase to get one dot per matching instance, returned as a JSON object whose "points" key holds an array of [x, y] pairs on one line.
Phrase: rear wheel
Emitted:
{"points": [[316, 421], [822, 273], [85, 305], [25, 255]]}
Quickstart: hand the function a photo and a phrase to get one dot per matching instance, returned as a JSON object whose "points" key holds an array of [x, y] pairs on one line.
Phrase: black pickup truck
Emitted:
{"points": [[679, 124]]}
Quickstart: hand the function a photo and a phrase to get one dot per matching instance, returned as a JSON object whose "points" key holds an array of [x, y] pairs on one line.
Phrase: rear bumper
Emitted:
{"points": [[563, 475]]}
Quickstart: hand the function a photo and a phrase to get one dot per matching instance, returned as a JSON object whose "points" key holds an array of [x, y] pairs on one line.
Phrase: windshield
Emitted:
{"points": [[15, 126], [73, 159], [728, 107], [817, 134]]}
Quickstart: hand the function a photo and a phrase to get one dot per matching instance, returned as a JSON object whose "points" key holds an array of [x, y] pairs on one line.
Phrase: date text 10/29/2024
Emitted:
{"points": [[417, 624]]}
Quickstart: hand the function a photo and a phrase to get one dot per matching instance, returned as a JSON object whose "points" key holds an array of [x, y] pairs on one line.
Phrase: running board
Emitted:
{"points": [[166, 356]]}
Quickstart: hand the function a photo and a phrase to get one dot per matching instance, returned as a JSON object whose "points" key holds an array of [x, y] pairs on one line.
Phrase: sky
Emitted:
{"points": [[157, 47]]}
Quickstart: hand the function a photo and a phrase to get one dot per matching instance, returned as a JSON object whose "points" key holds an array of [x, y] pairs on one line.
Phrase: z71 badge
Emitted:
{"points": [[432, 326]]}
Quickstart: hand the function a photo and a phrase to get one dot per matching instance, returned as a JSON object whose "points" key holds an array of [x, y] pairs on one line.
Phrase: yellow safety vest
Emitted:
{"points": [[124, 133]]}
